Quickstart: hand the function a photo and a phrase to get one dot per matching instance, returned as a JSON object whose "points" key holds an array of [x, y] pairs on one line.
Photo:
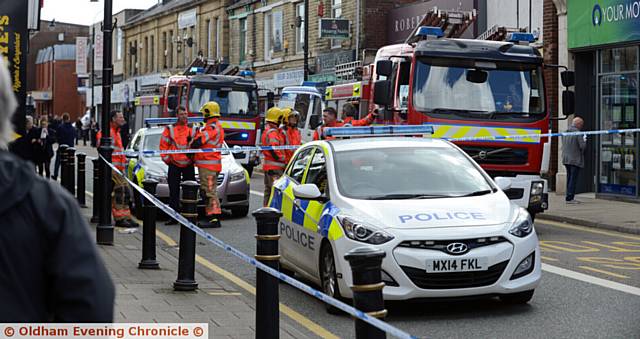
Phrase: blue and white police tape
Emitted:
{"points": [[252, 261], [497, 138]]}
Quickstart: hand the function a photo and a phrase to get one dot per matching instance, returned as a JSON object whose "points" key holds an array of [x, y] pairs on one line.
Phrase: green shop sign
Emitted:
{"points": [[600, 22]]}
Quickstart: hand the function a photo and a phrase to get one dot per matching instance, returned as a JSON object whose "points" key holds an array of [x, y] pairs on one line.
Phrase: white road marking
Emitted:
{"points": [[257, 193], [591, 279]]}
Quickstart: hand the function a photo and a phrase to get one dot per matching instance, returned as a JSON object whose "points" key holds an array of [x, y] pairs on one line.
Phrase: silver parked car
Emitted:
{"points": [[233, 181]]}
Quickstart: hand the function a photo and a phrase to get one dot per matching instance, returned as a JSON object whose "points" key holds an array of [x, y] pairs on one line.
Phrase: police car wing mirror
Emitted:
{"points": [[307, 192], [236, 149], [131, 154], [503, 183]]}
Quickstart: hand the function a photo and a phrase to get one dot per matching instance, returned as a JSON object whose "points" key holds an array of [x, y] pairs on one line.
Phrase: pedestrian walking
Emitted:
{"points": [[210, 163], [573, 157], [120, 196], [51, 271], [65, 135], [86, 125], [177, 137], [78, 126], [274, 160], [43, 150], [291, 131]]}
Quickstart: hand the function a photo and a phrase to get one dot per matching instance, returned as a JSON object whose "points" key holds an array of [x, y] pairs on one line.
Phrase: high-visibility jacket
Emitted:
{"points": [[319, 133], [292, 138], [273, 159], [176, 137], [211, 136], [119, 161], [366, 121]]}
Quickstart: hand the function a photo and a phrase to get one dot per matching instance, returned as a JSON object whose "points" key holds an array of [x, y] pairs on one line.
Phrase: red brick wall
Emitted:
{"points": [[376, 13], [65, 88], [550, 38]]}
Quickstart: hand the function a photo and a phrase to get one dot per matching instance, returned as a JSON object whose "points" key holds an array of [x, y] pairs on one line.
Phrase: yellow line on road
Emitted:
{"points": [[299, 318], [547, 258], [587, 229], [604, 272]]}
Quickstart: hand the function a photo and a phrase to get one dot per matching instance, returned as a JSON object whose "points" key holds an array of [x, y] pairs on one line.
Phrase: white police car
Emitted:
{"points": [[447, 229]]}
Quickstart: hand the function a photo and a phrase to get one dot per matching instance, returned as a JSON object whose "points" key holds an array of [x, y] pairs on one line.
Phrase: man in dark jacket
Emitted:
{"points": [[50, 270], [66, 135]]}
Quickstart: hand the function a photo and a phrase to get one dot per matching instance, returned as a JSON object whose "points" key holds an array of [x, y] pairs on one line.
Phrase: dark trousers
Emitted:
{"points": [[56, 166], [175, 176], [572, 181], [44, 168]]}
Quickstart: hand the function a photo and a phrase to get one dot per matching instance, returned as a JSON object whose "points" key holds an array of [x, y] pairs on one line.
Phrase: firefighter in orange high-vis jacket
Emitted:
{"points": [[177, 137], [349, 112], [274, 160], [120, 196], [210, 163], [291, 132]]}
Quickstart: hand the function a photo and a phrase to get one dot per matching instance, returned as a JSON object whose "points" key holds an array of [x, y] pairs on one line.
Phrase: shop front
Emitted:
{"points": [[604, 39]]}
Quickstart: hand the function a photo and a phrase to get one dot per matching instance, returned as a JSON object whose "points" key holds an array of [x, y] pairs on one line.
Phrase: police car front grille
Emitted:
{"points": [[441, 281], [514, 193], [441, 245], [497, 155]]}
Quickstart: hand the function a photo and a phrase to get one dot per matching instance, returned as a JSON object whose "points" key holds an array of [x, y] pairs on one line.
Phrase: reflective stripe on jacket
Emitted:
{"points": [[211, 136], [273, 159], [176, 137], [119, 161]]}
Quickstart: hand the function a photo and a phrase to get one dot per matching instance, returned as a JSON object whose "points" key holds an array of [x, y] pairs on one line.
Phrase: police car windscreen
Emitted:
{"points": [[405, 173], [152, 143]]}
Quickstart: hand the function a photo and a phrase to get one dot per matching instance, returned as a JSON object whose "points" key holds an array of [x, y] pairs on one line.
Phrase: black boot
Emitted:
{"points": [[214, 222], [128, 223]]}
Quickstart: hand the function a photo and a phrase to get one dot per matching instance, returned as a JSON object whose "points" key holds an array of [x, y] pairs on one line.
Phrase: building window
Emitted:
{"points": [[243, 40], [184, 47], [267, 36], [218, 32], [336, 10], [170, 49], [618, 101], [164, 50], [300, 30], [146, 51], [193, 46], [209, 36], [152, 54], [119, 43]]}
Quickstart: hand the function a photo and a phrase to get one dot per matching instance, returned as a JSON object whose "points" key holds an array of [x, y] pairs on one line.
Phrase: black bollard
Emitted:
{"points": [[149, 229], [62, 153], [267, 293], [71, 170], [367, 288], [96, 190], [187, 253], [81, 179]]}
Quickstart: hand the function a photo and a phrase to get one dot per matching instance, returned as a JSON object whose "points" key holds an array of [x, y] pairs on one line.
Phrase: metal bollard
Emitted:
{"points": [[367, 288], [62, 153], [267, 293], [187, 252], [71, 170], [81, 179], [149, 229], [96, 190]]}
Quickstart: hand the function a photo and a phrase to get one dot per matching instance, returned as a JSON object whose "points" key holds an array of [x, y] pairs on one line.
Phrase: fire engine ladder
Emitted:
{"points": [[453, 23], [499, 33], [210, 66]]}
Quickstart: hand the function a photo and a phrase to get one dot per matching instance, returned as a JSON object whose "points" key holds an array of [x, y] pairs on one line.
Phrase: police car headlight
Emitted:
{"points": [[237, 175], [523, 225], [363, 232], [159, 177]]}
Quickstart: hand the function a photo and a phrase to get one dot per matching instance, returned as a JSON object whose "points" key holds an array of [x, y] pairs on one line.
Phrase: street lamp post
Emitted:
{"points": [[306, 40], [104, 230]]}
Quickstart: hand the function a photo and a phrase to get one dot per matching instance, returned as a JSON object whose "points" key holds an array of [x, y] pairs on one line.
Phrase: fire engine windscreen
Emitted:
{"points": [[232, 102], [508, 89]]}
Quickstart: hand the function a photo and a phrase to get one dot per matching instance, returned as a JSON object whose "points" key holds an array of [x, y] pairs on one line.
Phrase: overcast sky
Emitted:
{"points": [[85, 12]]}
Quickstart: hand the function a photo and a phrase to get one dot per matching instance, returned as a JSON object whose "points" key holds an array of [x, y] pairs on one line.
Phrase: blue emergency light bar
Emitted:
{"points": [[197, 70], [169, 121], [520, 37], [397, 130], [247, 73], [426, 33]]}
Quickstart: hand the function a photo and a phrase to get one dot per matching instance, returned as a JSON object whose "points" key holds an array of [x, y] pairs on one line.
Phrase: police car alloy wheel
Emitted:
{"points": [[329, 276]]}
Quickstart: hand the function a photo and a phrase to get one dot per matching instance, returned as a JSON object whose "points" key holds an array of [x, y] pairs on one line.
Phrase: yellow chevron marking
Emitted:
{"points": [[483, 133], [440, 131], [461, 132]]}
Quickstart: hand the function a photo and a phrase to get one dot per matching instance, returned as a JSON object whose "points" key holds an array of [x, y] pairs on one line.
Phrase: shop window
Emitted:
{"points": [[619, 60]]}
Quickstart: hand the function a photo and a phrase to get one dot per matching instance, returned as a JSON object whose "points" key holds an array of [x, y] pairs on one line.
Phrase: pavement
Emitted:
{"points": [[148, 296], [591, 212]]}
